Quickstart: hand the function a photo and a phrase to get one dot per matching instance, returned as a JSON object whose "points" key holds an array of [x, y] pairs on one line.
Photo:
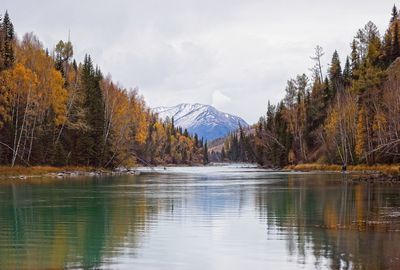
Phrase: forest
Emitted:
{"points": [[349, 114], [57, 111]]}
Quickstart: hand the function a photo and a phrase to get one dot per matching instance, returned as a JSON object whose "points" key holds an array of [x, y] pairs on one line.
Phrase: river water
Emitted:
{"points": [[220, 217]]}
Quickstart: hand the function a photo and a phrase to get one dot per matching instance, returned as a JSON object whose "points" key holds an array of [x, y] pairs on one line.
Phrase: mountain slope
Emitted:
{"points": [[204, 120]]}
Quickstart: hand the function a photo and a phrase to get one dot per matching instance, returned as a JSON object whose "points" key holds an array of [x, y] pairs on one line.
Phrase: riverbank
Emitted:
{"points": [[392, 169], [375, 173], [21, 172], [39, 170]]}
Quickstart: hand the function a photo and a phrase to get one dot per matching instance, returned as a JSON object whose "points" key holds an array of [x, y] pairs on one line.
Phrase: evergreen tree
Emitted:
{"points": [[7, 43], [173, 131], [196, 140], [205, 154], [280, 157], [242, 145], [347, 73], [335, 74], [92, 142], [326, 93], [396, 45], [395, 14], [259, 141], [75, 66], [270, 117], [1, 44], [186, 133]]}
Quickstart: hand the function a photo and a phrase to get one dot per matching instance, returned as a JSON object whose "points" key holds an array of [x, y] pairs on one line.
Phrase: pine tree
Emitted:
{"points": [[92, 142], [1, 44], [8, 45], [280, 156], [205, 154], [395, 14], [326, 93], [173, 131], [347, 73], [196, 140], [396, 45], [335, 74], [242, 145]]}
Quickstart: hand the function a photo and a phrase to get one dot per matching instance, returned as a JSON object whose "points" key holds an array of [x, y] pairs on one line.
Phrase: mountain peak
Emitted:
{"points": [[205, 120]]}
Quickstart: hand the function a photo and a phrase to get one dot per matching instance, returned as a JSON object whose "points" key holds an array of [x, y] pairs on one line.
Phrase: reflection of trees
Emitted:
{"points": [[88, 224], [349, 225], [80, 226]]}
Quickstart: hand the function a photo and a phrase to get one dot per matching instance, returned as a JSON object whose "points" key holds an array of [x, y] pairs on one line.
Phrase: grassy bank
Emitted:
{"points": [[392, 169], [39, 170]]}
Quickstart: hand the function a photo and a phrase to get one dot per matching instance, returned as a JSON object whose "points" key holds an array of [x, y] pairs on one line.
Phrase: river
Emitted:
{"points": [[219, 217]]}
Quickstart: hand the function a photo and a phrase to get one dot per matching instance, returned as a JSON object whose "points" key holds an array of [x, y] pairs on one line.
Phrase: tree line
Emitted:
{"points": [[348, 115], [56, 111]]}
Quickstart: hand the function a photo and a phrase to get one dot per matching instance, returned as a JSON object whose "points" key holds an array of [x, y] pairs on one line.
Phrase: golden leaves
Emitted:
{"points": [[58, 97], [21, 82]]}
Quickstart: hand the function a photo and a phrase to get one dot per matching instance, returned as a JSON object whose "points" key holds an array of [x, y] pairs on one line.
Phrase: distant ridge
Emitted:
{"points": [[205, 120]]}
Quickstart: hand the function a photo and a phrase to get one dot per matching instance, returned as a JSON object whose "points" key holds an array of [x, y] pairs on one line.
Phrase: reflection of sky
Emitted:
{"points": [[214, 225], [217, 222], [230, 239], [213, 218]]}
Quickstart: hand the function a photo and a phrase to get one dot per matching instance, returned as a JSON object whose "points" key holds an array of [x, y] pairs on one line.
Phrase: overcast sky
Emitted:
{"points": [[233, 54]]}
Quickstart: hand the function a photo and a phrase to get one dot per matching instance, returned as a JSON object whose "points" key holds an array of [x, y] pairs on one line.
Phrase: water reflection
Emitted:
{"points": [[68, 224], [215, 219], [355, 226]]}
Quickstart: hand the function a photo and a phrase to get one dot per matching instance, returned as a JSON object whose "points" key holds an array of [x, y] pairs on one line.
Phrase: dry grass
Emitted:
{"points": [[38, 170], [393, 169]]}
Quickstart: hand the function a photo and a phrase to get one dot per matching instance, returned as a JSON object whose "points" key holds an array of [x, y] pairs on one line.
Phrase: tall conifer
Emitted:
{"points": [[335, 74], [396, 45], [395, 14], [347, 72], [205, 154], [8, 45], [93, 141]]}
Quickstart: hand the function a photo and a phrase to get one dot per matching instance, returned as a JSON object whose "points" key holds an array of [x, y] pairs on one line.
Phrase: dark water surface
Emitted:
{"points": [[200, 218]]}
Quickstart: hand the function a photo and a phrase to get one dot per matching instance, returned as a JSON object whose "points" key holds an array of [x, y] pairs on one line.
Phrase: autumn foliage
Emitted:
{"points": [[55, 111], [349, 115]]}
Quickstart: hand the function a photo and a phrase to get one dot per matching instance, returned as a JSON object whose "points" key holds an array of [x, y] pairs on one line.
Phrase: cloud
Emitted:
{"points": [[234, 54], [219, 99]]}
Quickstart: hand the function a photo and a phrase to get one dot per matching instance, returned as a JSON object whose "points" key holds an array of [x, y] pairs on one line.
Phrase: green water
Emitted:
{"points": [[200, 218]]}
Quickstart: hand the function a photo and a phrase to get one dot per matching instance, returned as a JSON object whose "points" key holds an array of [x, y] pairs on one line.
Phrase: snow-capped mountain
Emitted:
{"points": [[204, 120]]}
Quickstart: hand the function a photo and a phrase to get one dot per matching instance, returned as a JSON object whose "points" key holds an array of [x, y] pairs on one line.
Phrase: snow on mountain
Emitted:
{"points": [[204, 120]]}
